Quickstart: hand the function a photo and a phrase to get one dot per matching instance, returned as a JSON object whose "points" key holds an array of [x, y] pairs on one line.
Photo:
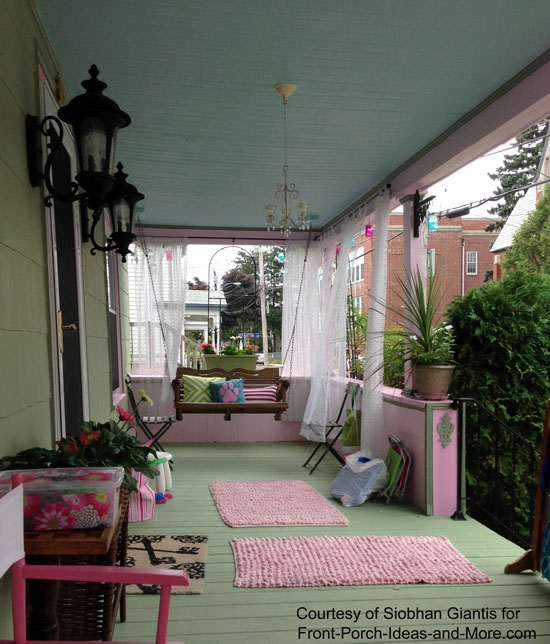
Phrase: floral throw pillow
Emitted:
{"points": [[195, 388], [230, 391]]}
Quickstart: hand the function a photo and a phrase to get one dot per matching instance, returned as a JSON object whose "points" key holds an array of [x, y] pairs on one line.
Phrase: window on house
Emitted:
{"points": [[114, 325], [431, 262], [357, 271], [358, 303], [471, 262]]}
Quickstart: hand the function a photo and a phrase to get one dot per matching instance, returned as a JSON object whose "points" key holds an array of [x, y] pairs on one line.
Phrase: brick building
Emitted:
{"points": [[461, 247]]}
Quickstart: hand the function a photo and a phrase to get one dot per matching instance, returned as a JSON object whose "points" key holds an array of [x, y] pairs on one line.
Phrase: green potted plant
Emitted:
{"points": [[430, 349], [232, 357], [98, 445]]}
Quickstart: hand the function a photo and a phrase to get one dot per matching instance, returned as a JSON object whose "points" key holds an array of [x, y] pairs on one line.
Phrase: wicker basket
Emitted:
{"points": [[88, 611]]}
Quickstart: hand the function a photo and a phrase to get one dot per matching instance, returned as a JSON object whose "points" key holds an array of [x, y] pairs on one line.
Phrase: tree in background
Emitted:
{"points": [[531, 248], [518, 169], [242, 312], [243, 298], [197, 284]]}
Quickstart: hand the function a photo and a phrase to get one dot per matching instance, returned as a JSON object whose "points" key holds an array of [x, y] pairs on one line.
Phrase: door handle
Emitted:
{"points": [[60, 328]]}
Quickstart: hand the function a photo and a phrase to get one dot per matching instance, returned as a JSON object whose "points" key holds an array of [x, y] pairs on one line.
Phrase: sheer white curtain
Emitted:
{"points": [[300, 288], [318, 326], [157, 278], [372, 418]]}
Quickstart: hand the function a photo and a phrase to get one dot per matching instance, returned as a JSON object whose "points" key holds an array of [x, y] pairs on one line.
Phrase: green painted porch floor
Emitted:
{"points": [[262, 616]]}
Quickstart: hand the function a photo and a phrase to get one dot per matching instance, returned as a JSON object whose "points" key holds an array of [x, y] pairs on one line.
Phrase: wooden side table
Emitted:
{"points": [[77, 610]]}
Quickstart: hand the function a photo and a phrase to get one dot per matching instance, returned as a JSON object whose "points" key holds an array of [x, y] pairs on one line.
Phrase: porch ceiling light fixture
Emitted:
{"points": [[286, 192], [95, 120]]}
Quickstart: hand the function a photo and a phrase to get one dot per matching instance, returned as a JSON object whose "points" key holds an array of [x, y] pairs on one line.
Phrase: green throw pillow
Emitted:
{"points": [[195, 388]]}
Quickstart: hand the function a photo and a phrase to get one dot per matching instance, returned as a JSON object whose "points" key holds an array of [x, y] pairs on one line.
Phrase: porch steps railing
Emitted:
{"points": [[190, 353], [501, 473]]}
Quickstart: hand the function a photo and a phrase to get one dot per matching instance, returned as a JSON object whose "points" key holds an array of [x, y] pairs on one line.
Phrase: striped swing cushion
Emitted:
{"points": [[261, 394]]}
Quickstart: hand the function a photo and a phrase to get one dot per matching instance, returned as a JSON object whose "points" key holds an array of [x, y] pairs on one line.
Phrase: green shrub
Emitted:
{"points": [[502, 332], [531, 248], [394, 358]]}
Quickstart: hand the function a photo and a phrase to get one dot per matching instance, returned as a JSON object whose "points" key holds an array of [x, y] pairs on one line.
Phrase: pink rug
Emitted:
{"points": [[251, 503], [286, 562]]}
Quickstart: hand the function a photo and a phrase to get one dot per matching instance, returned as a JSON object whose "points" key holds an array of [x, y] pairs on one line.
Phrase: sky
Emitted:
{"points": [[199, 257], [471, 183], [468, 184]]}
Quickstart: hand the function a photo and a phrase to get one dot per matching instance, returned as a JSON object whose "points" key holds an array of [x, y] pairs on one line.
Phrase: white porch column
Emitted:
{"points": [[414, 257]]}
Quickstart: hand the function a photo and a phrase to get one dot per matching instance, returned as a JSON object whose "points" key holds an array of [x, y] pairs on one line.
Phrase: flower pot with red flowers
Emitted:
{"points": [[105, 444], [232, 358]]}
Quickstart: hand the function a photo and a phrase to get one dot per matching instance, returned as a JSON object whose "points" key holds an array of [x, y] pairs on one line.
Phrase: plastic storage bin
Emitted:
{"points": [[68, 498]]}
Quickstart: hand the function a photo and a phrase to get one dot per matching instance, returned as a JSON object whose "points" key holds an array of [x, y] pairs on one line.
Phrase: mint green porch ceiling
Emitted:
{"points": [[377, 81]]}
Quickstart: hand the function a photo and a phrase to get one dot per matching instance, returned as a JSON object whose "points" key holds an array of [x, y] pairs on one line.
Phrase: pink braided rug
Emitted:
{"points": [[251, 503], [275, 562]]}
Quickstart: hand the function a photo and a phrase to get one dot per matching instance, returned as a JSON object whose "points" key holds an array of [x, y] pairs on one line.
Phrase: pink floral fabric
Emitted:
{"points": [[67, 499]]}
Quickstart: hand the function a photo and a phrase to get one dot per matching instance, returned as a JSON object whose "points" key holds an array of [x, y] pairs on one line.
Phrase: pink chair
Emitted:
{"points": [[12, 555]]}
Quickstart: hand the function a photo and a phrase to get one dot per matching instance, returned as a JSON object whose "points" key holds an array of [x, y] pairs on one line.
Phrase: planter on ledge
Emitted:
{"points": [[432, 381], [230, 362]]}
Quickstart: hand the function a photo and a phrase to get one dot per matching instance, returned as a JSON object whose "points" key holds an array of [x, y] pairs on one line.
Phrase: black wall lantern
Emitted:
{"points": [[95, 120], [121, 200]]}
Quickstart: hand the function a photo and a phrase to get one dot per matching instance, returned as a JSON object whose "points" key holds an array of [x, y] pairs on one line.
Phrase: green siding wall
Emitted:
{"points": [[26, 415], [26, 380]]}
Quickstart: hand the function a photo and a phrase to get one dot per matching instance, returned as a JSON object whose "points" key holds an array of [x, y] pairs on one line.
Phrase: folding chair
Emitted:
{"points": [[12, 556], [154, 427], [398, 462], [351, 390]]}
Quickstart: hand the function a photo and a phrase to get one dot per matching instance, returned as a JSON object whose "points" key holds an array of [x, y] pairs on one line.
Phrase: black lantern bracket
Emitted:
{"points": [[420, 211], [52, 129]]}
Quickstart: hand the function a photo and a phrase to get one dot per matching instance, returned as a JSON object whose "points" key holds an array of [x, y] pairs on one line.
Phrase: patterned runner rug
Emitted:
{"points": [[244, 504], [174, 552], [285, 562]]}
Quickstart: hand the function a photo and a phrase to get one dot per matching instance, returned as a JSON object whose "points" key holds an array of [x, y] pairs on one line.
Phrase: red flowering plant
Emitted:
{"points": [[98, 445], [251, 349], [208, 348]]}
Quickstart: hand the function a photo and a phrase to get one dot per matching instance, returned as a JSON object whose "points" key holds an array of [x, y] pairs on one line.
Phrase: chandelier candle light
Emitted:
{"points": [[286, 192]]}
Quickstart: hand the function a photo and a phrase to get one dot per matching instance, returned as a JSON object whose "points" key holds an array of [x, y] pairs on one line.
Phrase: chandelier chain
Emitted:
{"points": [[284, 131], [286, 192]]}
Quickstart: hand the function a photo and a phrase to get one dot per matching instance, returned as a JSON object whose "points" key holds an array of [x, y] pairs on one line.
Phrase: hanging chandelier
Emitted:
{"points": [[286, 193]]}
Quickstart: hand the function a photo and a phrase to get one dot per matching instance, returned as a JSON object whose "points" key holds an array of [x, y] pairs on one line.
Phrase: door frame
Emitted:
{"points": [[49, 106]]}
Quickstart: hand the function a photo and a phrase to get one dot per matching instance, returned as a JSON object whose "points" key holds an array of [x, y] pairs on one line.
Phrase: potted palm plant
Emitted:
{"points": [[430, 348]]}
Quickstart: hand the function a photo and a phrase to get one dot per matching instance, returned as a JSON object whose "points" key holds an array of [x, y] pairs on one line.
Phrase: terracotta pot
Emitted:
{"points": [[432, 381]]}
